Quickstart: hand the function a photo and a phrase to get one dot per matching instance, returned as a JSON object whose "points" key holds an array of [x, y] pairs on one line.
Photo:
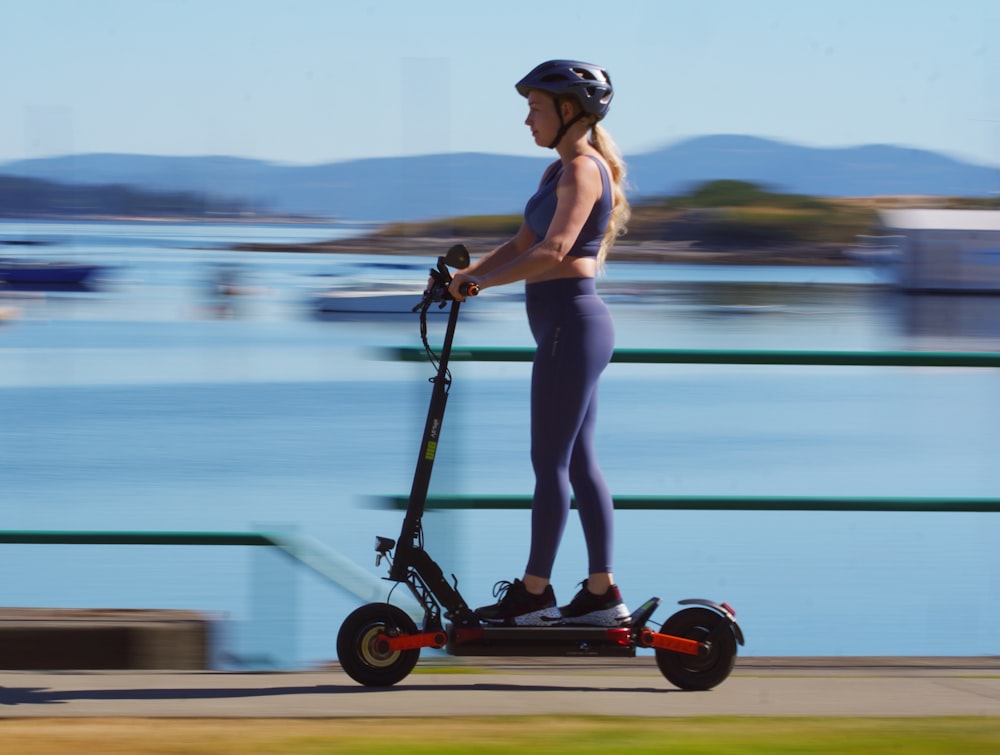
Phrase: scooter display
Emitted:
{"points": [[379, 644]]}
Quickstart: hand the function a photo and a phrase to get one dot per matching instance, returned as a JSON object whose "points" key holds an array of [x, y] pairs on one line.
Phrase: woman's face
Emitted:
{"points": [[543, 117]]}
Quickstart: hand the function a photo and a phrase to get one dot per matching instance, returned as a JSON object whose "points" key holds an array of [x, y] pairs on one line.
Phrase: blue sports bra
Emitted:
{"points": [[540, 209]]}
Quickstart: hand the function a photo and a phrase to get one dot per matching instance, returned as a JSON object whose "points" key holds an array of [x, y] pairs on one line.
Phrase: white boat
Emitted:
{"points": [[875, 250], [386, 297], [369, 301]]}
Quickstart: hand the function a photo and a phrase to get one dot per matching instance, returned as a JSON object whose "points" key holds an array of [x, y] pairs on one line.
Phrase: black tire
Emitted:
{"points": [[357, 649], [701, 672]]}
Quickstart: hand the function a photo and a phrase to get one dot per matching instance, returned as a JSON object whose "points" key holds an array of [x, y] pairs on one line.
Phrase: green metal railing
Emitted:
{"points": [[75, 537], [730, 356], [360, 583], [328, 564], [718, 503]]}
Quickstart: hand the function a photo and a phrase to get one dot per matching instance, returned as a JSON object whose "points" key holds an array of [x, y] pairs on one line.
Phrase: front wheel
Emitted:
{"points": [[698, 672], [358, 647]]}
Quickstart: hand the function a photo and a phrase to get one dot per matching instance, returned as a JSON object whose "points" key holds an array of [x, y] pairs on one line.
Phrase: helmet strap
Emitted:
{"points": [[564, 126]]}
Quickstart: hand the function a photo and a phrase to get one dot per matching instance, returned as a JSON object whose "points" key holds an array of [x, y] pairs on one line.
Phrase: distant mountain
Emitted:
{"points": [[375, 189], [447, 185], [841, 172]]}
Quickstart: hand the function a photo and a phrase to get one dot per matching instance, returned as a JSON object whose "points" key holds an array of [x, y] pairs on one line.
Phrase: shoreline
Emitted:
{"points": [[682, 252], [691, 252]]}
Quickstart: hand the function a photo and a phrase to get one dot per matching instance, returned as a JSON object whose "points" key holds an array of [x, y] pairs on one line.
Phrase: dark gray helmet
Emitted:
{"points": [[590, 84]]}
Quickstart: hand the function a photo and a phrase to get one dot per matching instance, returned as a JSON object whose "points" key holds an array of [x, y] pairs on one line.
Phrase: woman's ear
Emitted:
{"points": [[567, 109]]}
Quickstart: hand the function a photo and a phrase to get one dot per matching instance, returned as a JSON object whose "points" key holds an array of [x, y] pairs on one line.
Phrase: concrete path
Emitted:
{"points": [[492, 687]]}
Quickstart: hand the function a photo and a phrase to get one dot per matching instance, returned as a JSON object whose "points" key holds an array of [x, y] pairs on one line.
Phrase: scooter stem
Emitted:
{"points": [[410, 554]]}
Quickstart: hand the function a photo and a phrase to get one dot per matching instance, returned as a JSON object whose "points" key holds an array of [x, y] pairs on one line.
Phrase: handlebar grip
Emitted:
{"points": [[469, 289]]}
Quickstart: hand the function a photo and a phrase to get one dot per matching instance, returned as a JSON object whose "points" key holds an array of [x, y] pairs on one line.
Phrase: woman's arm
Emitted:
{"points": [[578, 190], [503, 254], [507, 252]]}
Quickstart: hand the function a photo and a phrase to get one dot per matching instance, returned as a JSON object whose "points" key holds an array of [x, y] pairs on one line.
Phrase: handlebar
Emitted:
{"points": [[457, 257]]}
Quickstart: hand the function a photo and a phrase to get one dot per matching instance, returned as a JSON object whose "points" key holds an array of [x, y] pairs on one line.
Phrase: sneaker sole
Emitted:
{"points": [[607, 617], [543, 618]]}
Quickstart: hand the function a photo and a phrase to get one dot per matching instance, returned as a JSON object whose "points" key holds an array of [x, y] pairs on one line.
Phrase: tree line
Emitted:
{"points": [[26, 198]]}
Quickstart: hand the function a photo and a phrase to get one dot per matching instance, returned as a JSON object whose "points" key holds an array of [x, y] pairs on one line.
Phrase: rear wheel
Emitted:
{"points": [[361, 655], [698, 672]]}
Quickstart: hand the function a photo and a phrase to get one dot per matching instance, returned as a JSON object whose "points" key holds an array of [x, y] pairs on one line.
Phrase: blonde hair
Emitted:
{"points": [[601, 140]]}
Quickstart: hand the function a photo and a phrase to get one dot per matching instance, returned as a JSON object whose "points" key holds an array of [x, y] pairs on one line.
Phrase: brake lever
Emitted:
{"points": [[438, 292], [432, 294]]}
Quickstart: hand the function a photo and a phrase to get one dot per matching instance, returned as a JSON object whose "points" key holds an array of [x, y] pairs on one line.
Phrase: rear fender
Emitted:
{"points": [[723, 609]]}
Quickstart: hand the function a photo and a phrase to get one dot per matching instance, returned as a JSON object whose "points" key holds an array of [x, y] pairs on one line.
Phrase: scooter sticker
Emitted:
{"points": [[432, 445]]}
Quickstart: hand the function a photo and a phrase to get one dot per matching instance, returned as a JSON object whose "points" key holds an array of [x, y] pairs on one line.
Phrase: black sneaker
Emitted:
{"points": [[516, 607], [607, 610]]}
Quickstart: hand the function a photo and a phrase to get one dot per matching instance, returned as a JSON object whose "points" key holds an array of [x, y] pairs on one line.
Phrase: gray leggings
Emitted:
{"points": [[574, 335]]}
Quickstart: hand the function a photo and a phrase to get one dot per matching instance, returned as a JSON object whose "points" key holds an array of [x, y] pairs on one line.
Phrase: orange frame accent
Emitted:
{"points": [[414, 641], [651, 639]]}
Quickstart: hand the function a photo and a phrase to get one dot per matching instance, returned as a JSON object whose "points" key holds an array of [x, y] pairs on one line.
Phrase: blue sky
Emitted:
{"points": [[311, 81]]}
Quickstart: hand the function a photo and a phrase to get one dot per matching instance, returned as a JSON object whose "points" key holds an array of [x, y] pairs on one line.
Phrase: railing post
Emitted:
{"points": [[271, 630]]}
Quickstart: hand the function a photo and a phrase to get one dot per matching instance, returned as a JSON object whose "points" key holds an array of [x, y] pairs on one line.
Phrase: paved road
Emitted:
{"points": [[633, 687]]}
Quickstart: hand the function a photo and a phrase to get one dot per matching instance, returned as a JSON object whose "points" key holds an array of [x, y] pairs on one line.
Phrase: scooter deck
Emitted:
{"points": [[541, 641]]}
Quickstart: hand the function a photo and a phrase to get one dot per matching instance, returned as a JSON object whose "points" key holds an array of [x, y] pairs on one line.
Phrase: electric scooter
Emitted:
{"points": [[379, 644]]}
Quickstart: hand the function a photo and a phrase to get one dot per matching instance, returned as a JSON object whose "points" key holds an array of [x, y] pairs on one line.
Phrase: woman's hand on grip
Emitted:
{"points": [[463, 286]]}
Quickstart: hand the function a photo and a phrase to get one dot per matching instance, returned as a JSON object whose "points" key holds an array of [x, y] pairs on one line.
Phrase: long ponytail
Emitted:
{"points": [[620, 210]]}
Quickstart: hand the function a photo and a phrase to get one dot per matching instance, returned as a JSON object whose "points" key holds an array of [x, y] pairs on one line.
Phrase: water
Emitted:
{"points": [[152, 404]]}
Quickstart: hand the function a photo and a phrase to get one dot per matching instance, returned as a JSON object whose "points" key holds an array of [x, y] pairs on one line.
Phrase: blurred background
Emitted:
{"points": [[205, 251]]}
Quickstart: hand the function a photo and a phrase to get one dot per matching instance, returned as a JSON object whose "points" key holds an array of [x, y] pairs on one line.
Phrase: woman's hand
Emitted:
{"points": [[460, 280]]}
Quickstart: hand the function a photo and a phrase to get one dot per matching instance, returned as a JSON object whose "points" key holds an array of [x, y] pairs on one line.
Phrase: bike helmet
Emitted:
{"points": [[589, 84]]}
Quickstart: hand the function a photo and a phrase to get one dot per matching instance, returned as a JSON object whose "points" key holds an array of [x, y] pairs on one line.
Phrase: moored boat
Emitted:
{"points": [[366, 301], [22, 270]]}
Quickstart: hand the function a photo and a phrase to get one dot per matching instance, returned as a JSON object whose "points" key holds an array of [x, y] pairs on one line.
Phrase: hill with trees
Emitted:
{"points": [[717, 221], [33, 199]]}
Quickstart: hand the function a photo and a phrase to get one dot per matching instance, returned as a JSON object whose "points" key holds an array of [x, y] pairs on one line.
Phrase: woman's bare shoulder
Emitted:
{"points": [[582, 170]]}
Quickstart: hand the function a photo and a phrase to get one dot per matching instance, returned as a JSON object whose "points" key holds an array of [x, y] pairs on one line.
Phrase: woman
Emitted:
{"points": [[569, 225]]}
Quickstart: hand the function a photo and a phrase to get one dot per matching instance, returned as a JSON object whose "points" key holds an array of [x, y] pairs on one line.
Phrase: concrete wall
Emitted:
{"points": [[49, 639]]}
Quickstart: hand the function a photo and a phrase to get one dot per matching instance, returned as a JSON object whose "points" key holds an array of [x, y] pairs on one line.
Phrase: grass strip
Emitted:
{"points": [[542, 734]]}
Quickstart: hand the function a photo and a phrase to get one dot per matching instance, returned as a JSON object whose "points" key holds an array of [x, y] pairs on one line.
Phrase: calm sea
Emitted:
{"points": [[149, 403]]}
